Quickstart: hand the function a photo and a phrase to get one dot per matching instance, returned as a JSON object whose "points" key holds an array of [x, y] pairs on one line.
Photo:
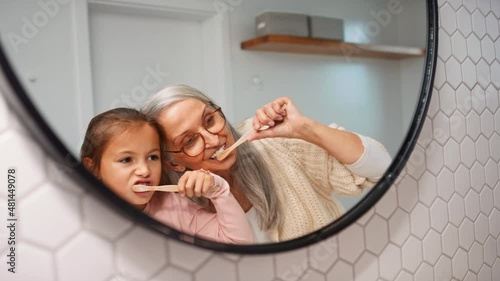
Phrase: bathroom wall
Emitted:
{"points": [[440, 221]]}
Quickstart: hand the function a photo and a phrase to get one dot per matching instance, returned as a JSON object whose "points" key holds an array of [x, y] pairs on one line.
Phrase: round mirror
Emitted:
{"points": [[366, 66]]}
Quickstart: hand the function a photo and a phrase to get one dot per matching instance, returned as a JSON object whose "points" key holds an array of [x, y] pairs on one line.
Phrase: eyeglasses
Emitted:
{"points": [[194, 144]]}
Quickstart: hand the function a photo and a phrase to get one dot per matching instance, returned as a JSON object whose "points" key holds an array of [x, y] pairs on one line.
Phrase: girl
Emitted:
{"points": [[123, 148]]}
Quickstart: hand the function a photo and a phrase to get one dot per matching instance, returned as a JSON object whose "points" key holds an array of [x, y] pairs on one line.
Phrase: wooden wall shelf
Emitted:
{"points": [[306, 45]]}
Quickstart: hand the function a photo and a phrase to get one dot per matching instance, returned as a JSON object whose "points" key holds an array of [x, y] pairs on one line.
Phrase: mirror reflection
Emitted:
{"points": [[151, 93]]}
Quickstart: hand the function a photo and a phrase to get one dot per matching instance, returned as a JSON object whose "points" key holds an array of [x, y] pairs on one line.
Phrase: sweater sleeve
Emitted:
{"points": [[374, 161], [228, 225], [328, 175]]}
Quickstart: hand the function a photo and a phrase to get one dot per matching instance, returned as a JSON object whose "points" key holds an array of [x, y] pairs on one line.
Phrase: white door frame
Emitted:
{"points": [[215, 33]]}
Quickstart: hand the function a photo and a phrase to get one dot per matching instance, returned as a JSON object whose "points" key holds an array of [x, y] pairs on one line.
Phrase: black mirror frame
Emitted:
{"points": [[19, 100]]}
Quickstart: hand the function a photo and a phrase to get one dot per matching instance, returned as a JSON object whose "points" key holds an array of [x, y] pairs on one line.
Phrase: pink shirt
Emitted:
{"points": [[228, 225]]}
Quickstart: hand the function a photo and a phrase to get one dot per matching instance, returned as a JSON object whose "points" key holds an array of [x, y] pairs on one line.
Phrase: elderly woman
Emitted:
{"points": [[285, 177]]}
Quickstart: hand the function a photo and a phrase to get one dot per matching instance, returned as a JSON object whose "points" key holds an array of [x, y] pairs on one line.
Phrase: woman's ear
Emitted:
{"points": [[174, 166]]}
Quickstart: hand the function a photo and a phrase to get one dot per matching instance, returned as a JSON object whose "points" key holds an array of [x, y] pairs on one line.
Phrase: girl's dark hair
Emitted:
{"points": [[108, 124]]}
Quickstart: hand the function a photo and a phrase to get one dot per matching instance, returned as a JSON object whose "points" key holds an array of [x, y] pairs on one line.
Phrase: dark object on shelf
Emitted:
{"points": [[326, 28], [282, 23]]}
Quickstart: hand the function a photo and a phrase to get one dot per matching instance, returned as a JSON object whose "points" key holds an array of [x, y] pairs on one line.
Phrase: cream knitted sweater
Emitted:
{"points": [[306, 178]]}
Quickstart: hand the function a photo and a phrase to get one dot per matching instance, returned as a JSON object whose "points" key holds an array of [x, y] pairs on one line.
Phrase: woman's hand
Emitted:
{"points": [[196, 183], [283, 118]]}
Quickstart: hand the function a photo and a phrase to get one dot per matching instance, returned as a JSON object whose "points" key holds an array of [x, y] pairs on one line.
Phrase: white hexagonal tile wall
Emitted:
{"points": [[470, 276], [460, 264], [472, 208], [185, 257], [470, 5], [424, 272], [434, 157], [323, 255], [428, 194], [495, 147], [341, 271], [103, 220], [412, 254], [140, 254], [485, 273], [247, 268], [478, 98], [366, 268], [376, 234], [26, 157], [416, 163], [495, 73], [448, 19], [484, 6], [474, 48], [476, 257], [453, 72], [451, 155], [456, 209], [33, 263], [464, 21], [212, 270], [43, 222], [496, 117], [481, 228], [486, 200], [468, 152], [495, 270], [490, 251], [442, 270], [172, 273], [388, 204], [478, 24], [432, 247], [354, 238], [447, 99], [462, 180], [466, 234], [495, 8], [463, 93], [488, 49], [446, 184], [86, 257], [312, 275], [457, 126], [419, 220], [389, 262], [450, 240], [438, 218], [494, 218], [458, 46], [483, 74], [491, 96], [477, 176], [407, 194], [399, 227], [444, 49]]}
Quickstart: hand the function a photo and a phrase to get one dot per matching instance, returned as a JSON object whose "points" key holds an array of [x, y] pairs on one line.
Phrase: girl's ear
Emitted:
{"points": [[89, 165], [174, 166]]}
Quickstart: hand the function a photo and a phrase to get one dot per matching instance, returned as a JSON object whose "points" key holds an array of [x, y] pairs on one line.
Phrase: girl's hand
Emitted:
{"points": [[196, 183], [283, 118]]}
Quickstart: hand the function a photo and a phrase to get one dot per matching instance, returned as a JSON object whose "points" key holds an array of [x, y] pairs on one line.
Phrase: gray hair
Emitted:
{"points": [[250, 171]]}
